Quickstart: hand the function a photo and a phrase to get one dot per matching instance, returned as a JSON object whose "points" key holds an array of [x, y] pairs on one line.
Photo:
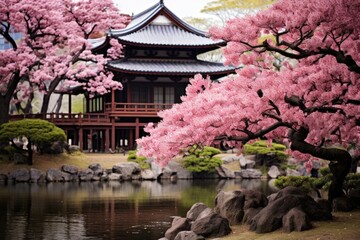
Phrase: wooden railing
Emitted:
{"points": [[111, 110], [136, 109], [67, 118]]}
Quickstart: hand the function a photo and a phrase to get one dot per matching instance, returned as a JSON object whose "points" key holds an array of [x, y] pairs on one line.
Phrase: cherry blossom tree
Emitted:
{"points": [[311, 100], [54, 50]]}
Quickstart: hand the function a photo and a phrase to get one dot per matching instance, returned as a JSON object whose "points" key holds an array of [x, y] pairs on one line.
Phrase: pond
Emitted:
{"points": [[104, 210]]}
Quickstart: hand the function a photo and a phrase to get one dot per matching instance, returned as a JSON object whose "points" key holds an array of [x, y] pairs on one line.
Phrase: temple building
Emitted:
{"points": [[160, 56]]}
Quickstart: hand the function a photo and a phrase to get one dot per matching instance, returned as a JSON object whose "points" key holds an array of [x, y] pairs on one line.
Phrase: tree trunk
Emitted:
{"points": [[4, 110], [45, 103], [340, 160], [30, 153]]}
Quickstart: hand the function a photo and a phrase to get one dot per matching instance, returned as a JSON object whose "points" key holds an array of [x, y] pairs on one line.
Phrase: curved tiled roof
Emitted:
{"points": [[169, 66], [167, 35], [143, 30]]}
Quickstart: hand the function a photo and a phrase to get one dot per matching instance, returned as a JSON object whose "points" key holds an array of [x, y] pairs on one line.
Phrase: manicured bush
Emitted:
{"points": [[202, 159], [38, 133], [305, 183], [261, 147], [141, 160]]}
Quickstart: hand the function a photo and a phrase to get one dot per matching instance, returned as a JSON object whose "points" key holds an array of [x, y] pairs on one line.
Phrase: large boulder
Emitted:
{"points": [[86, 175], [246, 163], [343, 204], [181, 172], [114, 177], [20, 175], [188, 235], [147, 174], [97, 169], [225, 173], [37, 175], [178, 225], [127, 170], [274, 172], [69, 169], [296, 220], [212, 225], [230, 205], [195, 211], [54, 175], [270, 217], [248, 174]]}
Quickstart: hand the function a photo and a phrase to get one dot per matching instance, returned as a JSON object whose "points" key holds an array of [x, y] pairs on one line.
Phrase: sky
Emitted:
{"points": [[182, 8]]}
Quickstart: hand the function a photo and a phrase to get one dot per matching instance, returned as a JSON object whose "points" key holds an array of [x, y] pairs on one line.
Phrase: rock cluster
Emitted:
{"points": [[289, 209]]}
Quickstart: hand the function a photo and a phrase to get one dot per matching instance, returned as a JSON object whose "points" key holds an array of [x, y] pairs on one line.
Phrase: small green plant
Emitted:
{"points": [[352, 180], [202, 159], [261, 147], [305, 183], [141, 160]]}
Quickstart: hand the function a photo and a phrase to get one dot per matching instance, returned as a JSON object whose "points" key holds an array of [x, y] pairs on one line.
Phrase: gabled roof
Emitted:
{"points": [[146, 29], [183, 67]]}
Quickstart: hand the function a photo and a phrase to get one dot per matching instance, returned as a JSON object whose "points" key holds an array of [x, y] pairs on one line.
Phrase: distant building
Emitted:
{"points": [[160, 55]]}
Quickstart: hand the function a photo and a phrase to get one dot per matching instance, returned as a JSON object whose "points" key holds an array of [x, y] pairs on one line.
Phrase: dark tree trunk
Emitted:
{"points": [[4, 110], [30, 153], [340, 160], [45, 103]]}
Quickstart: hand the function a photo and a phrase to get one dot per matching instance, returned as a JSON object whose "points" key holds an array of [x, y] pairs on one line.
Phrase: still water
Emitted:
{"points": [[98, 210]]}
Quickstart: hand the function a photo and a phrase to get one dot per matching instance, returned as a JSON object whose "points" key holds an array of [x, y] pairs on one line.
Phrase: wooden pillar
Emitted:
{"points": [[137, 129], [131, 139], [112, 100], [107, 139], [113, 145], [81, 138]]}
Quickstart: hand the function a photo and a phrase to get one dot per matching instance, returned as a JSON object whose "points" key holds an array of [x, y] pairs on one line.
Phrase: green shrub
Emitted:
{"points": [[352, 180], [141, 160], [261, 147], [202, 159], [305, 183]]}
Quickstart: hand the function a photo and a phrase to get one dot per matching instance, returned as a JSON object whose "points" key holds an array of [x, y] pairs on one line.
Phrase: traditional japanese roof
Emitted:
{"points": [[169, 67], [159, 26]]}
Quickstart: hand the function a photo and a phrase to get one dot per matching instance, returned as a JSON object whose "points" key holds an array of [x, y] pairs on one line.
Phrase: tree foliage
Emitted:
{"points": [[54, 51], [312, 101], [37, 132]]}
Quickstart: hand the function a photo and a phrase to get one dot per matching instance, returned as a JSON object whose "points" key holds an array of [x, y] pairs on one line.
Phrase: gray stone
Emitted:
{"points": [[195, 210], [37, 175], [343, 204], [248, 174], [180, 171], [69, 169], [114, 177], [54, 175], [225, 173], [274, 172], [249, 214], [97, 169], [74, 148], [147, 174], [295, 220], [188, 235], [156, 169], [127, 169], [230, 205], [67, 177], [212, 225], [20, 175], [86, 175], [246, 163], [178, 225]]}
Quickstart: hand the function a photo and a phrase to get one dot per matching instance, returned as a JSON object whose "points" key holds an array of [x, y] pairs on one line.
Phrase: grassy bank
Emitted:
{"points": [[81, 160]]}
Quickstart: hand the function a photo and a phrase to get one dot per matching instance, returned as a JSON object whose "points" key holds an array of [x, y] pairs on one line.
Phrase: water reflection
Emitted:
{"points": [[110, 210]]}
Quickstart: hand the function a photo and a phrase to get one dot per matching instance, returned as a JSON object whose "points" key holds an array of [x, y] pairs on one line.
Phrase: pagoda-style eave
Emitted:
{"points": [[153, 12], [167, 74], [167, 46]]}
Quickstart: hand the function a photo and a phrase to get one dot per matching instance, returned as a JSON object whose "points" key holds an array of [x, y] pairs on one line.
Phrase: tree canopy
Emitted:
{"points": [[54, 50], [37, 132], [311, 100]]}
